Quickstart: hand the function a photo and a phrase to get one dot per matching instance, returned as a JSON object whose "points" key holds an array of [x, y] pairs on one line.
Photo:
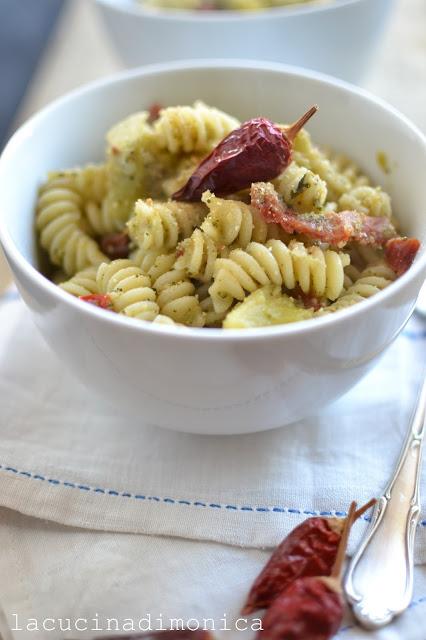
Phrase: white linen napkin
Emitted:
{"points": [[59, 573], [66, 457], [69, 460]]}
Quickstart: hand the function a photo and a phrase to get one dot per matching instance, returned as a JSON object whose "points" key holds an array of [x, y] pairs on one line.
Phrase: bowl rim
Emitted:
{"points": [[257, 333], [134, 9]]}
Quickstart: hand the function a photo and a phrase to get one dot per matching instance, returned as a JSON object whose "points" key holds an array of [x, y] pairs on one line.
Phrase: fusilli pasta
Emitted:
{"points": [[89, 181], [128, 288], [311, 157], [185, 168], [232, 222], [221, 261], [160, 225], [177, 299], [82, 284], [349, 169], [135, 169], [369, 200], [301, 189], [370, 281], [197, 256], [61, 228], [192, 129], [316, 271]]}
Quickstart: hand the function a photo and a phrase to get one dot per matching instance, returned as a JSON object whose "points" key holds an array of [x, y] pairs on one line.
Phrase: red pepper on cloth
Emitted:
{"points": [[115, 245], [309, 550], [400, 253], [154, 112], [335, 228], [311, 608], [98, 300], [258, 150]]}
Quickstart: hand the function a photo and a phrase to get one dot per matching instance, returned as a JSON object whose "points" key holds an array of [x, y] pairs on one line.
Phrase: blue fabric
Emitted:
{"points": [[25, 26]]}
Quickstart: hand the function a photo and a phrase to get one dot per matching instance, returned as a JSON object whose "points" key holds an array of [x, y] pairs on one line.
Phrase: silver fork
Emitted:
{"points": [[379, 580]]}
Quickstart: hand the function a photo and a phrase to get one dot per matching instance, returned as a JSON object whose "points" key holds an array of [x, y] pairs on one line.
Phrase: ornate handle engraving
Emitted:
{"points": [[379, 580]]}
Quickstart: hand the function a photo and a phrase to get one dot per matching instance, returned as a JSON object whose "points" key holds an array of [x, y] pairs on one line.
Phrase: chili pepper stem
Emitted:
{"points": [[359, 512], [292, 131], [341, 551]]}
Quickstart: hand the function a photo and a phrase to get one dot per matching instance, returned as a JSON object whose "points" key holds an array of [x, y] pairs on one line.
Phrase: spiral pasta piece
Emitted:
{"points": [[129, 289], [146, 258], [379, 270], [82, 284], [192, 129], [212, 317], [306, 154], [315, 271], [160, 319], [349, 169], [102, 218], [371, 201], [181, 174], [373, 279], [301, 189], [162, 264], [368, 285], [61, 228], [160, 225], [232, 222], [177, 299], [136, 168], [89, 181]]}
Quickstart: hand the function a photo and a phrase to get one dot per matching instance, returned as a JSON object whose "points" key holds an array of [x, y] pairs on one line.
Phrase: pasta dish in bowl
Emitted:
{"points": [[143, 235], [239, 295]]}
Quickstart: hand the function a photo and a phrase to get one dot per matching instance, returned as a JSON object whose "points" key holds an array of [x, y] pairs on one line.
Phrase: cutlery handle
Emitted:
{"points": [[379, 580]]}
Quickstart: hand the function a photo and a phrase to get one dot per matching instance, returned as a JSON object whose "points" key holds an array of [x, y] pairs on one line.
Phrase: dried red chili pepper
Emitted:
{"points": [[308, 610], [309, 550], [400, 253], [332, 227], [258, 150], [312, 607], [115, 245], [98, 300]]}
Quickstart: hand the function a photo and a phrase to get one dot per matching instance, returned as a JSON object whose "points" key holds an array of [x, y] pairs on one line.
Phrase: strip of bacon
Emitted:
{"points": [[400, 253], [335, 228], [98, 300]]}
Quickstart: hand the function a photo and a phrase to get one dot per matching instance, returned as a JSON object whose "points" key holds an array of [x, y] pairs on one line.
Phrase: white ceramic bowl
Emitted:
{"points": [[336, 37], [211, 380]]}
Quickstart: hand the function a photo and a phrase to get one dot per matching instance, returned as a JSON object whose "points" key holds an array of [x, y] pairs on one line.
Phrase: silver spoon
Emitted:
{"points": [[379, 580]]}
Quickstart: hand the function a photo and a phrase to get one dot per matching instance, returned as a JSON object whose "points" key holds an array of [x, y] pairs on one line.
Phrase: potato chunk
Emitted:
{"points": [[265, 307]]}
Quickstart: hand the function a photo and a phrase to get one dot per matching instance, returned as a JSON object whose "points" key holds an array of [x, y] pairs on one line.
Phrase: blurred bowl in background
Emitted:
{"points": [[338, 37]]}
